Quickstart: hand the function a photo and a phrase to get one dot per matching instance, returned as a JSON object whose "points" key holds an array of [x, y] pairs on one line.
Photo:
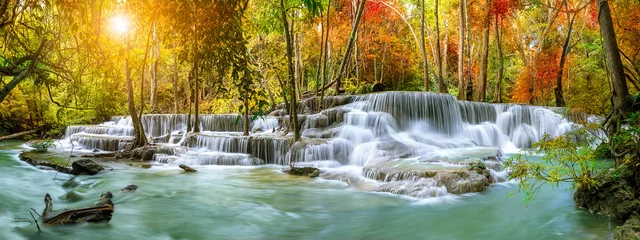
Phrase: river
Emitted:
{"points": [[260, 202]]}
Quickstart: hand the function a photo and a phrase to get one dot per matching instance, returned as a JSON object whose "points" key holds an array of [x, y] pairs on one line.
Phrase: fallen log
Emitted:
{"points": [[17, 135], [100, 212]]}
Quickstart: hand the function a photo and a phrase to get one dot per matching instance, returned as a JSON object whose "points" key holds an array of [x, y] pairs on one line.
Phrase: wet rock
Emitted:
{"points": [[629, 231], [187, 168], [612, 196], [303, 171], [140, 165], [144, 153], [334, 115], [30, 158], [72, 196], [129, 188], [86, 166]]}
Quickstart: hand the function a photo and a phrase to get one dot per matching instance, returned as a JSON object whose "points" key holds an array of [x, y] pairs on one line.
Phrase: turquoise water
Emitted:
{"points": [[262, 203]]}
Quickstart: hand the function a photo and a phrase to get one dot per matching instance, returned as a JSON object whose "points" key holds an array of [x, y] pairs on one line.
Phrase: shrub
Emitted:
{"points": [[42, 146]]}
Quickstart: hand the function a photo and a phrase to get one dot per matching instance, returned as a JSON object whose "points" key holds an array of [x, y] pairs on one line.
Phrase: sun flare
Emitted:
{"points": [[120, 24]]}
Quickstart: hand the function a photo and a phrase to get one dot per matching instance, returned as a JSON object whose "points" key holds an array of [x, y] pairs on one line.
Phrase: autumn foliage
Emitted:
{"points": [[538, 81]]}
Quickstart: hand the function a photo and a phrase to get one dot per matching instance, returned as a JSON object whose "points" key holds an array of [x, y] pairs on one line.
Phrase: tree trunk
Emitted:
{"points": [[461, 72], [17, 135], [347, 52], [196, 124], [441, 85], [325, 42], [140, 139], [469, 89], [500, 60], [154, 70], [20, 76], [445, 57], [565, 51], [176, 88], [293, 102], [321, 57], [621, 99], [423, 49], [482, 91], [245, 122]]}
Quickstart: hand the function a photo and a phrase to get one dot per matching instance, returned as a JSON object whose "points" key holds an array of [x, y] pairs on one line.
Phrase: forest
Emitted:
{"points": [[228, 112], [64, 61]]}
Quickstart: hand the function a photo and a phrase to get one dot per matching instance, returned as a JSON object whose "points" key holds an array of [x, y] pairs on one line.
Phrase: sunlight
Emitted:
{"points": [[120, 24]]}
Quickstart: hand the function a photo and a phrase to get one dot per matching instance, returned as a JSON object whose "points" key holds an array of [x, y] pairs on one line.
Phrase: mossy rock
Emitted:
{"points": [[303, 171], [612, 196], [629, 231]]}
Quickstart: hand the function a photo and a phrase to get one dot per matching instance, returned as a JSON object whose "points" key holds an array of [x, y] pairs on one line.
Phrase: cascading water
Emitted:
{"points": [[414, 143]]}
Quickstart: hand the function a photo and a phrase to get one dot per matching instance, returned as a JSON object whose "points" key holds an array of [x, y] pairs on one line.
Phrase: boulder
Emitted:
{"points": [[187, 168], [303, 171], [144, 153], [129, 188], [86, 166]]}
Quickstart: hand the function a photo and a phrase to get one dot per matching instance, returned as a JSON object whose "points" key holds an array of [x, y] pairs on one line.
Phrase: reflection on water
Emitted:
{"points": [[261, 203]]}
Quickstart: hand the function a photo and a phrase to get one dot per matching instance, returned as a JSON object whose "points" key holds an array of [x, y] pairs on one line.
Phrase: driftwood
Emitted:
{"points": [[17, 135], [100, 212]]}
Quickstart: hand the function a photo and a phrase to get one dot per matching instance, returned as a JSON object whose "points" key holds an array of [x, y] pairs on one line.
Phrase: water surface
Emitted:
{"points": [[261, 203]]}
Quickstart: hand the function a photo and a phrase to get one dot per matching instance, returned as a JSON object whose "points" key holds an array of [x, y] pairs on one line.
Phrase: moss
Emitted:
{"points": [[602, 151], [630, 230]]}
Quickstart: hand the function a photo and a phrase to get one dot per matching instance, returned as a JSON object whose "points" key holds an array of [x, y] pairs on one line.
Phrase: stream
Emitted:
{"points": [[260, 202]]}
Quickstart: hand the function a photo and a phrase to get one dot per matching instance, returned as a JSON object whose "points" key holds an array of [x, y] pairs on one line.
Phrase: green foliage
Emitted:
{"points": [[568, 158], [42, 146]]}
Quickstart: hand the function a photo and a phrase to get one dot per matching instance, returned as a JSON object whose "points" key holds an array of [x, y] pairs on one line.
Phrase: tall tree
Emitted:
{"points": [[500, 60], [347, 52], [423, 49], [622, 101], [486, 24], [469, 85], [293, 108], [461, 49], [442, 87]]}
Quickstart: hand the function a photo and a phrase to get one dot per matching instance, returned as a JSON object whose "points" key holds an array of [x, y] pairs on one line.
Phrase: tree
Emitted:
{"points": [[423, 49], [441, 84], [622, 100], [485, 52], [461, 49]]}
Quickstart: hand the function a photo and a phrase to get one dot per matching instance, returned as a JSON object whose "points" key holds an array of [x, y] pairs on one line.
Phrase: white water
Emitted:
{"points": [[410, 131]]}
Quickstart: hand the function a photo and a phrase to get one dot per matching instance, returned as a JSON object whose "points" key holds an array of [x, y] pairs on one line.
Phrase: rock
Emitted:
{"points": [[140, 165], [629, 231], [30, 159], [612, 196], [86, 166], [303, 171], [129, 188], [187, 168], [144, 153], [72, 196]]}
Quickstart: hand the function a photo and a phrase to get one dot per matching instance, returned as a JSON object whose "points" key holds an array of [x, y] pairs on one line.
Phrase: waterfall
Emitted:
{"points": [[397, 138], [413, 143]]}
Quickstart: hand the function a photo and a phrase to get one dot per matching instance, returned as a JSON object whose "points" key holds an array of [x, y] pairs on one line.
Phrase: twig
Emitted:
{"points": [[34, 219]]}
